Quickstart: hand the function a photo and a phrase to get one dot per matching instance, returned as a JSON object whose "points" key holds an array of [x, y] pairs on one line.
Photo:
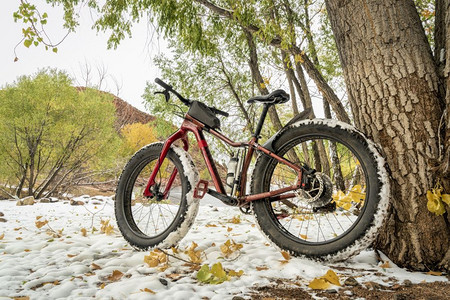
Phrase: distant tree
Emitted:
{"points": [[136, 136], [49, 131]]}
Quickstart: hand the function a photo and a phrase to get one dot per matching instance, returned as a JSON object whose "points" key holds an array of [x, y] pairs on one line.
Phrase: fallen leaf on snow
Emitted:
{"points": [[385, 265], [286, 255], [173, 276], [39, 224], [434, 273], [331, 277], [2, 236], [95, 266], [115, 276], [83, 232], [148, 291], [319, 284], [155, 258]]}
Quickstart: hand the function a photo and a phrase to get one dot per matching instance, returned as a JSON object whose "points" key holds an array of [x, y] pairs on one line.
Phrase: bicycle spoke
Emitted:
{"points": [[319, 226]]}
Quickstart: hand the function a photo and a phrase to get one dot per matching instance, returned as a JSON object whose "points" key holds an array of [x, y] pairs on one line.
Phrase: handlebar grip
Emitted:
{"points": [[163, 84], [219, 112]]}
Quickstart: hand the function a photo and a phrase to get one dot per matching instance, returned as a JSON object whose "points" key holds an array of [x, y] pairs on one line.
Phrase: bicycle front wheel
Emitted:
{"points": [[165, 218], [344, 202]]}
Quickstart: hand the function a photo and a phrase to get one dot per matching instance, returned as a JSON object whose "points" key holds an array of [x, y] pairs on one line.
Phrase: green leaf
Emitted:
{"points": [[218, 271], [27, 43], [204, 274], [44, 15], [55, 49]]}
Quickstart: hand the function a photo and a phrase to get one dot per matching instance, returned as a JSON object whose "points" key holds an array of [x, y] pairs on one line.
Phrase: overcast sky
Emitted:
{"points": [[130, 64]]}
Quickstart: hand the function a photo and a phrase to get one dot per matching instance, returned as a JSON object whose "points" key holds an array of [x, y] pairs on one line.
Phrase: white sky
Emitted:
{"points": [[130, 64]]}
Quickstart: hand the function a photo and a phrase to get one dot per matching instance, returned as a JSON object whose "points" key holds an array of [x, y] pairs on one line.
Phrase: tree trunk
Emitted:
{"points": [[393, 91], [256, 74], [287, 66]]}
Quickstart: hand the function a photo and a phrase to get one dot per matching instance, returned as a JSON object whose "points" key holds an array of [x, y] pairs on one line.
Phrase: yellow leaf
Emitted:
{"points": [[173, 276], [434, 204], [236, 220], [385, 265], [106, 227], [217, 270], [148, 291], [434, 273], [102, 286], [331, 277], [2, 236], [319, 284], [286, 255], [151, 261], [446, 198], [211, 225], [38, 217], [39, 224], [304, 236], [83, 232], [262, 268], [298, 58], [356, 194], [236, 274], [115, 276], [71, 255], [155, 258], [194, 255], [174, 250], [229, 229]]}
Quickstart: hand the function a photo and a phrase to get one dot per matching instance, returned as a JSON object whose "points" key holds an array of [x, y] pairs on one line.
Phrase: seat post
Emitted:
{"points": [[261, 120]]}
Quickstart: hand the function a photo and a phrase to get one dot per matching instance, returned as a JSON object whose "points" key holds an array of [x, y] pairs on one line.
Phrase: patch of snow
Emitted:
{"points": [[37, 264]]}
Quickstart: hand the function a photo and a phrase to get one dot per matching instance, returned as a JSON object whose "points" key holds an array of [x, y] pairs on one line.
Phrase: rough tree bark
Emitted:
{"points": [[256, 74], [392, 86]]}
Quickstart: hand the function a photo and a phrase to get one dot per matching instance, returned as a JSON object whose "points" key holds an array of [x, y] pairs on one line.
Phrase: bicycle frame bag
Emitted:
{"points": [[202, 113]]}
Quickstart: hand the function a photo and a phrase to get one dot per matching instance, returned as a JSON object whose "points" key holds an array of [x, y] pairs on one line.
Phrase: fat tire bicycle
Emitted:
{"points": [[319, 188]]}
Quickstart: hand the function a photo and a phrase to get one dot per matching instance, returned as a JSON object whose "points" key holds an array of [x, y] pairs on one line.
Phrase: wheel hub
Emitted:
{"points": [[318, 192]]}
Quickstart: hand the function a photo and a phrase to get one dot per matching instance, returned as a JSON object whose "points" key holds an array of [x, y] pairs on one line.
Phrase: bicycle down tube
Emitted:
{"points": [[192, 125]]}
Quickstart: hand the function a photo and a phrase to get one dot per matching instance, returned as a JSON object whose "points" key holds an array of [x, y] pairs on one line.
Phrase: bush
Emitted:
{"points": [[50, 131]]}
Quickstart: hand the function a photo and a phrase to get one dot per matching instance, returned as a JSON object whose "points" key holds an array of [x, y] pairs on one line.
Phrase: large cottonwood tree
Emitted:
{"points": [[398, 98]]}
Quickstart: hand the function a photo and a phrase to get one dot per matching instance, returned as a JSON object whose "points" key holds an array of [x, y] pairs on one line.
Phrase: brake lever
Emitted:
{"points": [[165, 93]]}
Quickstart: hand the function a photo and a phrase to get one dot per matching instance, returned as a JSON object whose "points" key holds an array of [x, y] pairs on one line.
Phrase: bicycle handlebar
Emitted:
{"points": [[169, 88], [163, 84]]}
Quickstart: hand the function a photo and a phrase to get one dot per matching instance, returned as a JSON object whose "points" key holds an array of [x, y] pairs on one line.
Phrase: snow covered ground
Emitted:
{"points": [[69, 257]]}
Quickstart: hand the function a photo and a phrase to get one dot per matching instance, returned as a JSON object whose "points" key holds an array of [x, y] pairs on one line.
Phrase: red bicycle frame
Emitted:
{"points": [[196, 127]]}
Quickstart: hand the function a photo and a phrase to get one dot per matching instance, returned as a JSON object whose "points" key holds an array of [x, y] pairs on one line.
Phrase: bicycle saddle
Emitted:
{"points": [[278, 96]]}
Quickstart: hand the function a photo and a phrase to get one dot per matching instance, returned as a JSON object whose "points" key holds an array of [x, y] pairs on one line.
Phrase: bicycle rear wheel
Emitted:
{"points": [[338, 212]]}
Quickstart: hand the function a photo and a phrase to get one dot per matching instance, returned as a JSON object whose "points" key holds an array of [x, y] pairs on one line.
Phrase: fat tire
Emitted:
{"points": [[188, 206], [365, 231]]}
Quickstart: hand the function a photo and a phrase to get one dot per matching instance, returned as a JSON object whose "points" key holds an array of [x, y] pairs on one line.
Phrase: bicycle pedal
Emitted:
{"points": [[201, 189]]}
